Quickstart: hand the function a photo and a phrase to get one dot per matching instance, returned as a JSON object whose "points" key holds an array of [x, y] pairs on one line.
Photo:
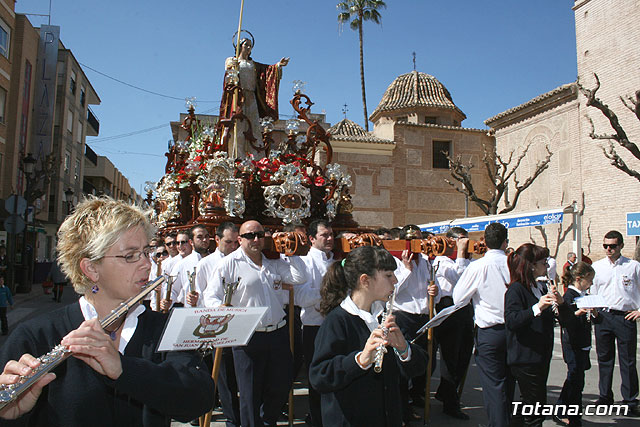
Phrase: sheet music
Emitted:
{"points": [[440, 317], [590, 301]]}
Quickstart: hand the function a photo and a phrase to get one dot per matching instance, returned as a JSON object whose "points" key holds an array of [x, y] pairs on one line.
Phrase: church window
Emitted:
{"points": [[441, 150]]}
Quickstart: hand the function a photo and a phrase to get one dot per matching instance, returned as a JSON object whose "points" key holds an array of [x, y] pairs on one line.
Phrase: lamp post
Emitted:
{"points": [[68, 198]]}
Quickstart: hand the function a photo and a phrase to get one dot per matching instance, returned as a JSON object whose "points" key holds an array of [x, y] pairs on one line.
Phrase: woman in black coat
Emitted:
{"points": [[352, 393], [529, 321], [114, 376]]}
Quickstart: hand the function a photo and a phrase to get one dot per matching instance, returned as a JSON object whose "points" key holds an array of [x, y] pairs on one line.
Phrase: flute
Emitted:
{"points": [[10, 392], [381, 349], [554, 305]]}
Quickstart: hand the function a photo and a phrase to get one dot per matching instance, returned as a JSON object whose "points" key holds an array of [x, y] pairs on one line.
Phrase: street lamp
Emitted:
{"points": [[28, 164], [68, 198]]}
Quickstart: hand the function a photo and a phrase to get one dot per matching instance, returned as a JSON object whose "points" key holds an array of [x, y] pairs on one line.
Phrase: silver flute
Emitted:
{"points": [[382, 349], [10, 392], [554, 305]]}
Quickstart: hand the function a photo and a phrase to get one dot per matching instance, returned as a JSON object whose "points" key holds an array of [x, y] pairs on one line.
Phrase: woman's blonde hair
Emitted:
{"points": [[95, 225]]}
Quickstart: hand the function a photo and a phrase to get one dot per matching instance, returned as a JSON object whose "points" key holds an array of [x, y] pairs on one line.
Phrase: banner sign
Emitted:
{"points": [[633, 223], [189, 328], [45, 91], [530, 219]]}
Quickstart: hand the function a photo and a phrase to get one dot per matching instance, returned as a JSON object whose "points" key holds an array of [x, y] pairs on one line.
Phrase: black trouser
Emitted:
{"points": [[298, 358], [308, 342], [57, 290], [227, 387], [532, 382], [409, 323], [264, 375], [455, 340], [4, 320], [614, 328], [496, 379], [577, 361]]}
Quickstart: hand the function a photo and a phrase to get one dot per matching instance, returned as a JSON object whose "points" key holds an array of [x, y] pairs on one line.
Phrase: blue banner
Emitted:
{"points": [[509, 221], [633, 223]]}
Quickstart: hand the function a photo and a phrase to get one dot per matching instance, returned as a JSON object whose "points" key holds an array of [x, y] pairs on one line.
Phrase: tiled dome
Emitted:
{"points": [[412, 90], [346, 129]]}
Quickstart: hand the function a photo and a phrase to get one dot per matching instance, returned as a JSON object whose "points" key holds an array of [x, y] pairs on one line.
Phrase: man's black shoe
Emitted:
{"points": [[634, 411], [455, 412], [559, 421], [603, 401]]}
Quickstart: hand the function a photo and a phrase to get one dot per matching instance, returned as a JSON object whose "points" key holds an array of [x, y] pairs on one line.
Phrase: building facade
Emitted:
{"points": [[606, 39]]}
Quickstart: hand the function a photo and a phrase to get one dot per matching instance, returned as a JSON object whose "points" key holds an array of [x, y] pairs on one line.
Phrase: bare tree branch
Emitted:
{"points": [[620, 135]]}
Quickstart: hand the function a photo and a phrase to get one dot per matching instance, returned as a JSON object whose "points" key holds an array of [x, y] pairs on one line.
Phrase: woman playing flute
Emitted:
{"points": [[115, 376], [352, 392]]}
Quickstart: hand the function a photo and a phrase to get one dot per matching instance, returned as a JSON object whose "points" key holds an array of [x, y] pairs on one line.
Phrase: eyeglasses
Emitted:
{"points": [[133, 257], [163, 253], [252, 235], [182, 242], [171, 243], [610, 246]]}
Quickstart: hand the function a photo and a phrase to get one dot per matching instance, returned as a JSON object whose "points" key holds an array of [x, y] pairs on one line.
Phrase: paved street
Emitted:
{"points": [[29, 305]]}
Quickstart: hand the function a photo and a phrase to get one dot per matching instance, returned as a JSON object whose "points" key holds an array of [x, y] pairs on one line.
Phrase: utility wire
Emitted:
{"points": [[137, 87]]}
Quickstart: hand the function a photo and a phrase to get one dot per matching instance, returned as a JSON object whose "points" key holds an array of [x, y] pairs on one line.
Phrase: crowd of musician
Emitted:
{"points": [[357, 319]]}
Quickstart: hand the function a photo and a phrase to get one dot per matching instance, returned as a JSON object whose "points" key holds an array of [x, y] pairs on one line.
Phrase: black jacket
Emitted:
{"points": [[153, 387], [529, 337], [576, 331], [352, 396]]}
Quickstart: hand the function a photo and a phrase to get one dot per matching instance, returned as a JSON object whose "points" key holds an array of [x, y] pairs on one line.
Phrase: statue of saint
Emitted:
{"points": [[259, 83]]}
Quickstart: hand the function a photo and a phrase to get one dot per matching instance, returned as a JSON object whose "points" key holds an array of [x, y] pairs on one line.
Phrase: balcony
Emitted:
{"points": [[94, 124]]}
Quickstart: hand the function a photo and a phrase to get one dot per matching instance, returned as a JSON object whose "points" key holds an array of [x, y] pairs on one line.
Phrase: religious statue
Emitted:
{"points": [[259, 98]]}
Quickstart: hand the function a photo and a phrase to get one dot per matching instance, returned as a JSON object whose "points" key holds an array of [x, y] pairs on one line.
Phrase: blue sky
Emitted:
{"points": [[492, 55]]}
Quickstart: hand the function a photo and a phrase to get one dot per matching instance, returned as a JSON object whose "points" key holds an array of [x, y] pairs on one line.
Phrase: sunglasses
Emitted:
{"points": [[171, 243], [253, 235], [163, 253], [182, 242], [610, 246]]}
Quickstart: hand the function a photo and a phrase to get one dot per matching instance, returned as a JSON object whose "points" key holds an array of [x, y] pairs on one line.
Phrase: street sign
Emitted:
{"points": [[633, 223], [14, 207], [14, 224]]}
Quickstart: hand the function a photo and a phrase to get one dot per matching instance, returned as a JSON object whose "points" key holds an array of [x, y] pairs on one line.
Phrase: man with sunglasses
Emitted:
{"points": [[183, 242], [617, 280], [199, 240], [264, 366]]}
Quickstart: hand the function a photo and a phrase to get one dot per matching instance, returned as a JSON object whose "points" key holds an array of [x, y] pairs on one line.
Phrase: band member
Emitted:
{"points": [[411, 311], [170, 241], [264, 365], [485, 282], [307, 296], [114, 377], [226, 241], [455, 335], [529, 321], [199, 240], [617, 280], [353, 296], [185, 248], [576, 337]]}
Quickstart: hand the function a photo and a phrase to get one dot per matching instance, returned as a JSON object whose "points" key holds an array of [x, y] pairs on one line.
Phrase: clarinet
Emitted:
{"points": [[554, 306], [10, 392], [381, 349]]}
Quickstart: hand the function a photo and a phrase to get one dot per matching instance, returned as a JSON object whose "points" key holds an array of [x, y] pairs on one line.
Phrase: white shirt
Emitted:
{"points": [[307, 296], [256, 283], [128, 328], [412, 295], [182, 270], [485, 282], [205, 269], [167, 264], [618, 283], [448, 273]]}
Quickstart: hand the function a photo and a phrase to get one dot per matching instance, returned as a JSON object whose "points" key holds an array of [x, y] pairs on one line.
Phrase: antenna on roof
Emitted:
{"points": [[344, 110], [414, 60]]}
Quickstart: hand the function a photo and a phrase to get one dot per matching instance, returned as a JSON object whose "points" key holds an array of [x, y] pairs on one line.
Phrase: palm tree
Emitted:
{"points": [[358, 11]]}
